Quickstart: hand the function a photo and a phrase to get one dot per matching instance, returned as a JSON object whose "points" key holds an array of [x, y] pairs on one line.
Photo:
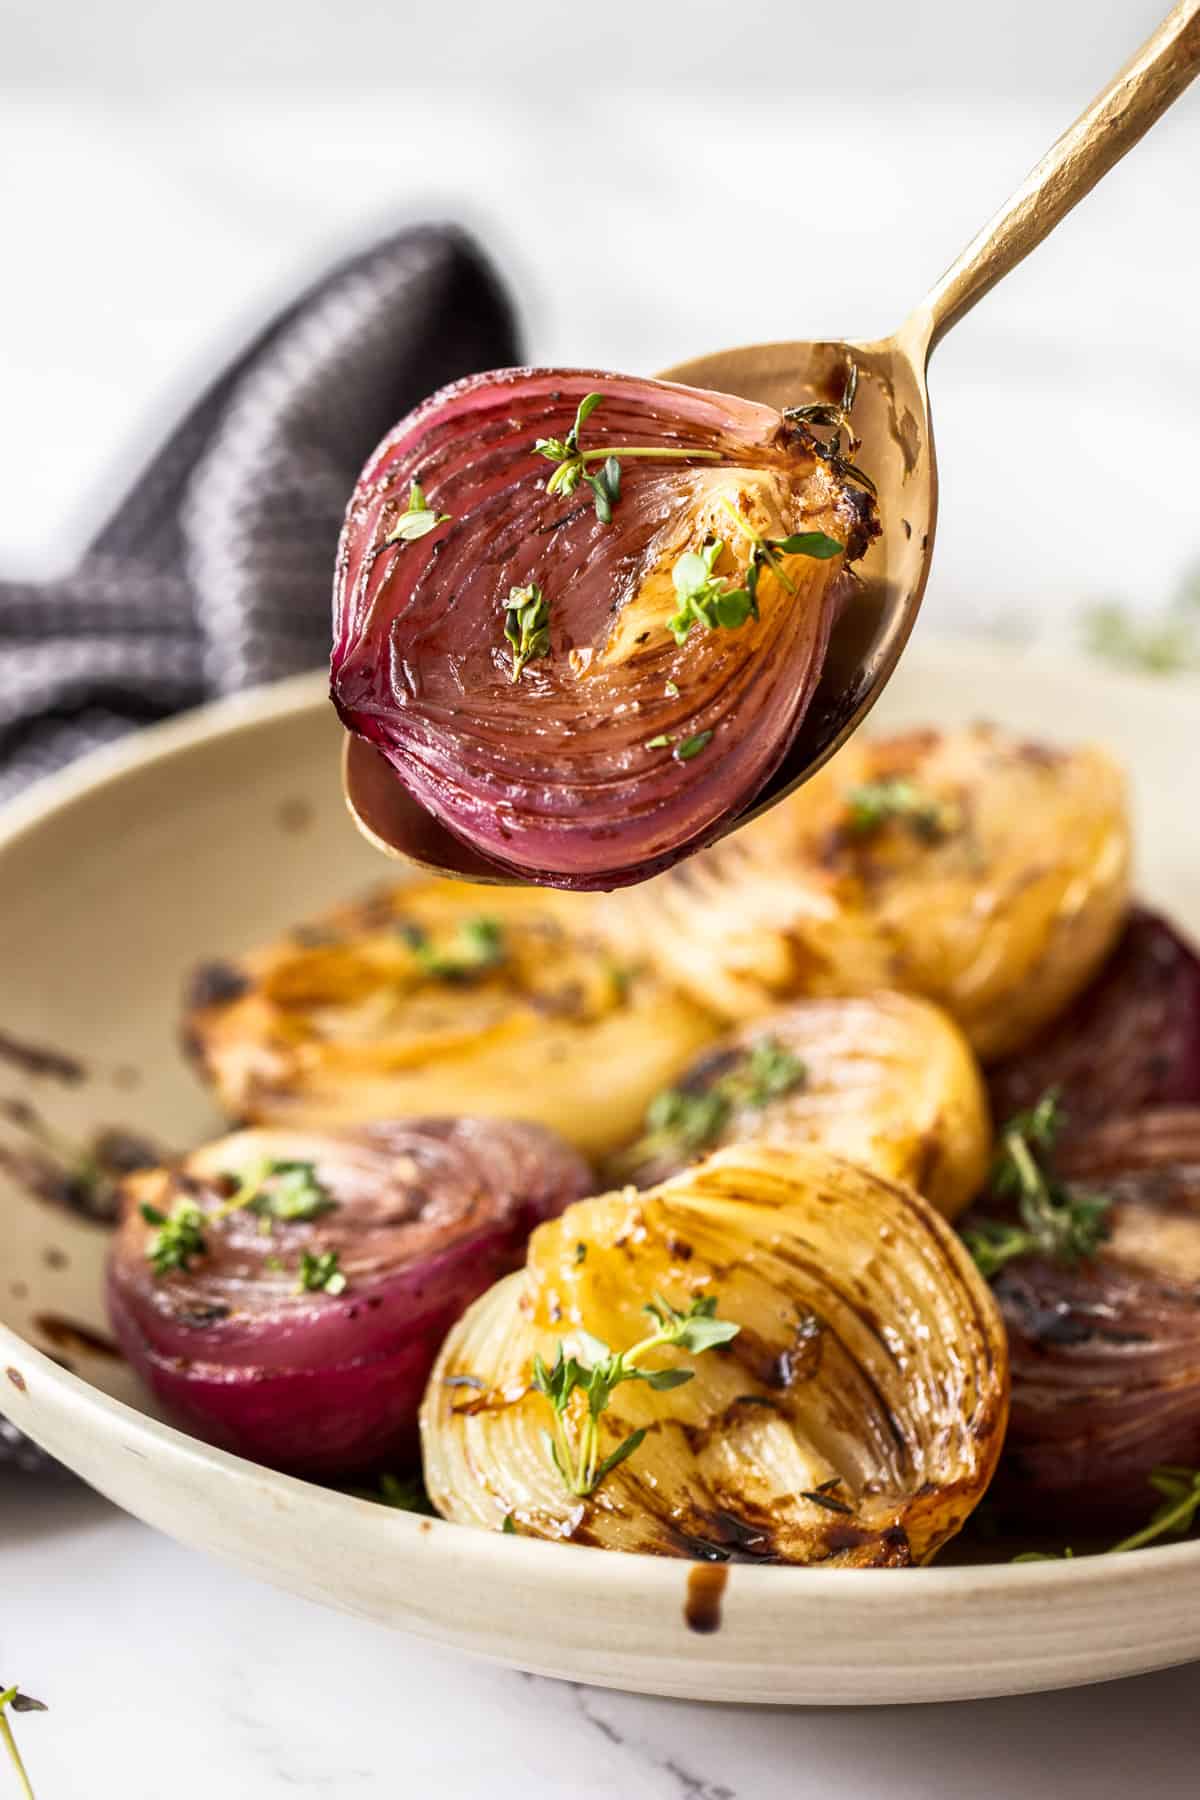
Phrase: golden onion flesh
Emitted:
{"points": [[985, 872], [441, 998]]}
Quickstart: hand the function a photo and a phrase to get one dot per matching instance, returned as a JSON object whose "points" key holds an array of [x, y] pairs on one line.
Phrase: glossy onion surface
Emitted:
{"points": [[1106, 1356], [442, 997], [424, 1215], [885, 1080], [1131, 1040], [854, 1420], [982, 871], [584, 771]]}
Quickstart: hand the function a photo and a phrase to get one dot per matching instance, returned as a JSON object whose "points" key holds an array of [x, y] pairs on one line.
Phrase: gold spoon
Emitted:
{"points": [[891, 417]]}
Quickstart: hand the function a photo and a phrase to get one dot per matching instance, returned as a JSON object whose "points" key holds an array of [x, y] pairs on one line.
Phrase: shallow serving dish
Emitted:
{"points": [[205, 834]]}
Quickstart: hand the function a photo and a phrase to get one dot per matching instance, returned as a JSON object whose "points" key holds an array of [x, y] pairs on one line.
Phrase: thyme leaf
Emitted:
{"points": [[270, 1188], [320, 1273], [179, 1236], [680, 1122], [527, 625], [871, 805], [1055, 1221], [476, 950], [572, 461], [417, 521], [291, 1193], [19, 1703], [1177, 1513], [592, 1370], [705, 598]]}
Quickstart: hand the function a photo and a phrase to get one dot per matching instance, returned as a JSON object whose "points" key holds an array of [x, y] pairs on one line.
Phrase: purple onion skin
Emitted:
{"points": [[329, 1386], [1106, 1356], [552, 777], [1131, 1040]]}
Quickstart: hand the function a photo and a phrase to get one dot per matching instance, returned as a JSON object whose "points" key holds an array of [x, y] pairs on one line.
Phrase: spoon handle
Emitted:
{"points": [[1151, 80]]}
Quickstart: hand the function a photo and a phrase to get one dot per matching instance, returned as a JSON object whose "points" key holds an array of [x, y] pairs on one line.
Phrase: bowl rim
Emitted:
{"points": [[76, 1402]]}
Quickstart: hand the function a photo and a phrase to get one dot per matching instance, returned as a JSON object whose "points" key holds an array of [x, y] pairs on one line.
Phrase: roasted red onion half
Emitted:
{"points": [[512, 628], [299, 1329], [1106, 1354], [1131, 1040]]}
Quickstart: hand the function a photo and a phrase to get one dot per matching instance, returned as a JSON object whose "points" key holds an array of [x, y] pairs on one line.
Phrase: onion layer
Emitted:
{"points": [[424, 1215], [1131, 1040], [885, 1080], [611, 749], [854, 1420], [441, 997], [984, 872], [1106, 1355]]}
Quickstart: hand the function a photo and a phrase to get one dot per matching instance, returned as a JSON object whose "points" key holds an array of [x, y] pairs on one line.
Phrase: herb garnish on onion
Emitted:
{"points": [[513, 660], [591, 1368], [1065, 1224], [296, 1321]]}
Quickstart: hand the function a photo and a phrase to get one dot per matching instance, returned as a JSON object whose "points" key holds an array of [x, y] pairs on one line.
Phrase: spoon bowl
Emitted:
{"points": [[890, 419]]}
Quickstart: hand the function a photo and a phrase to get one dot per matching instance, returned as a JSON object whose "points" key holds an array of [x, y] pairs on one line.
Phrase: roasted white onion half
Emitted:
{"points": [[885, 1080], [987, 873], [439, 997], [855, 1419]]}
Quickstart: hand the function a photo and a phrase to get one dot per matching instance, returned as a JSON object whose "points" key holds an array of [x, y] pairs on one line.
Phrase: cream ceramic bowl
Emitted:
{"points": [[204, 834]]}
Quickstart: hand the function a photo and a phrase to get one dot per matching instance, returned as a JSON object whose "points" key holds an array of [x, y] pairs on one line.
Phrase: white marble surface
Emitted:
{"points": [[168, 173], [168, 1675]]}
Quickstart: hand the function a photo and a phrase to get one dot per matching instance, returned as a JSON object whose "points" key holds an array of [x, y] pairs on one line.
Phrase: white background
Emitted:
{"points": [[655, 179]]}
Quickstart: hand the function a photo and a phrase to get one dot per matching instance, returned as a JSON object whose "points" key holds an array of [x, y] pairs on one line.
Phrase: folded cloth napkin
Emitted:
{"points": [[215, 572]]}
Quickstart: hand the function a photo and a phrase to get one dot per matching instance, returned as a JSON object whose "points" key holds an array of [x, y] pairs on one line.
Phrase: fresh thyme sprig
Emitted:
{"points": [[417, 521], [606, 484], [769, 552], [20, 1703], [1177, 1513], [527, 625], [1056, 1222], [711, 600], [272, 1189], [477, 949], [873, 804], [594, 1370], [681, 1122]]}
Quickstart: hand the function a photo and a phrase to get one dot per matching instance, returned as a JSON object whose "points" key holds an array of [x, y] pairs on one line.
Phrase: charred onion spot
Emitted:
{"points": [[70, 1336], [216, 984], [41, 1059], [17, 1379]]}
